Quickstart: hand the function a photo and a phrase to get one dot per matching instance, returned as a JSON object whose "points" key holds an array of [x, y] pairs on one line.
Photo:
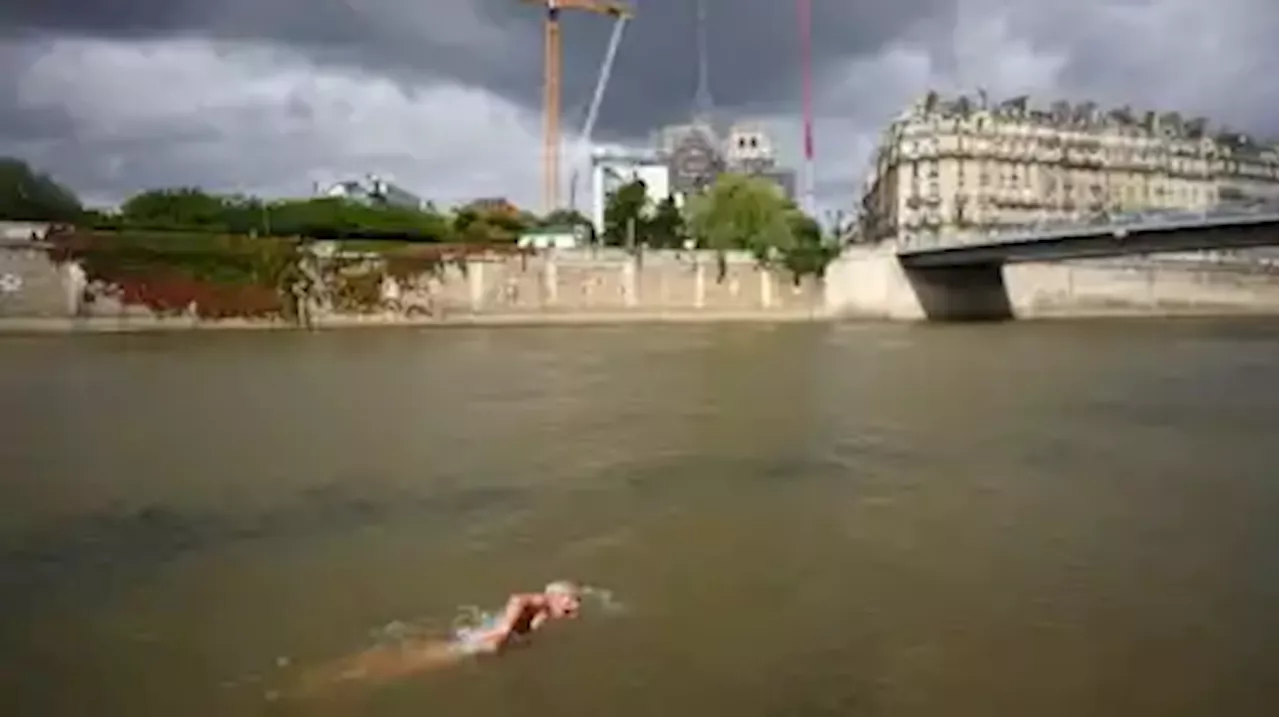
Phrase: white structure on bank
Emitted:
{"points": [[613, 169], [554, 238]]}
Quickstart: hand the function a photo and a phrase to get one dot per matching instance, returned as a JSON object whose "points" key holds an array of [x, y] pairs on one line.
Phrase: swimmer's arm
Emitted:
{"points": [[501, 634]]}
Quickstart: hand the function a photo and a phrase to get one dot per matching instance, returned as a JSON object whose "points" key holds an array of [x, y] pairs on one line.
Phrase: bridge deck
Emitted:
{"points": [[1209, 233]]}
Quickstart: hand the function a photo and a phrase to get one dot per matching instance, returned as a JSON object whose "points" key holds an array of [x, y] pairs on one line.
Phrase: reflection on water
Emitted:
{"points": [[1065, 518]]}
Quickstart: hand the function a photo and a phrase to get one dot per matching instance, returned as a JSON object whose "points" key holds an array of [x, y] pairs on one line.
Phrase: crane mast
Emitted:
{"points": [[551, 85]]}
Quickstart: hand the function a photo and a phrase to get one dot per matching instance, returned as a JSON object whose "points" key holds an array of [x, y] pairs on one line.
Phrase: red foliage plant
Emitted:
{"points": [[172, 293], [221, 276]]}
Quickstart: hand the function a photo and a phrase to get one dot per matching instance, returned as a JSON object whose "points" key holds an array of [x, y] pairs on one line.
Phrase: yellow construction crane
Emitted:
{"points": [[551, 85]]}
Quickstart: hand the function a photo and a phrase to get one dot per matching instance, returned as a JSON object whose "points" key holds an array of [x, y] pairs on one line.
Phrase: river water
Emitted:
{"points": [[1057, 518]]}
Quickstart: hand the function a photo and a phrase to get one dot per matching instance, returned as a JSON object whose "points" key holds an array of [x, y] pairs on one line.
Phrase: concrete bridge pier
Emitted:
{"points": [[873, 283], [961, 293]]}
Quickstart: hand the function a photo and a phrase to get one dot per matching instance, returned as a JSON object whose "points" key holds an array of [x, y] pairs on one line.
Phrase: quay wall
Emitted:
{"points": [[37, 293], [869, 282], [549, 287]]}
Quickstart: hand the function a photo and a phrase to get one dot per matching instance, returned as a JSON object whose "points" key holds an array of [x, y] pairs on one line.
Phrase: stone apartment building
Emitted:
{"points": [[947, 167]]}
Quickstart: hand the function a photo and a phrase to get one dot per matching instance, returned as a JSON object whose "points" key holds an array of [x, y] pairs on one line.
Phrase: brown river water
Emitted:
{"points": [[1061, 518]]}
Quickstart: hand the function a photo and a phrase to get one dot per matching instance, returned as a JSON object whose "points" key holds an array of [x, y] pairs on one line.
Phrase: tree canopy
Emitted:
{"points": [[624, 214], [742, 213], [749, 214], [735, 213], [628, 209], [28, 195]]}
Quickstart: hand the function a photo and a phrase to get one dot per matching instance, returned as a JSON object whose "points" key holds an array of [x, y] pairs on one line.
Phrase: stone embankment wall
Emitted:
{"points": [[33, 287], [608, 285], [555, 286], [608, 282], [1132, 287], [871, 283]]}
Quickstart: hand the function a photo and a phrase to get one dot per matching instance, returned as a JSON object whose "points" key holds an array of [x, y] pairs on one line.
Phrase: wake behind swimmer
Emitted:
{"points": [[523, 615]]}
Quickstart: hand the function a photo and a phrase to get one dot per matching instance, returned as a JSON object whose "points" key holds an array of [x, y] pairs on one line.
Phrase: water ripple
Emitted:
{"points": [[112, 544]]}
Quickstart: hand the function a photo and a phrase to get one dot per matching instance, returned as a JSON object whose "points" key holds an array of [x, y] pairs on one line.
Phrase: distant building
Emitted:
{"points": [[693, 156], [697, 155], [372, 189], [952, 166], [748, 149], [610, 170], [1244, 169]]}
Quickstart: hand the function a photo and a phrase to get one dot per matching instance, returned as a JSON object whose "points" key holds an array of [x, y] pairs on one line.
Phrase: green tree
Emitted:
{"points": [[190, 209], [564, 218], [29, 195], [665, 229], [569, 219], [487, 222], [624, 213], [811, 252], [183, 207], [743, 213], [749, 214]]}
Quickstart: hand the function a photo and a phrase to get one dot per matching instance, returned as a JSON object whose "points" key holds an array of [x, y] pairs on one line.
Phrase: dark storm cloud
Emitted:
{"points": [[19, 123], [496, 44], [269, 102], [1135, 51]]}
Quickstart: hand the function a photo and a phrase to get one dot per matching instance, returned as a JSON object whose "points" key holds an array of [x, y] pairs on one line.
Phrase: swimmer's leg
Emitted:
{"points": [[382, 664]]}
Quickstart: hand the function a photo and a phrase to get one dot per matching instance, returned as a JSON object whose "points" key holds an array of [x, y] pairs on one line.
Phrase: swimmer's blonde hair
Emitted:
{"points": [[562, 587]]}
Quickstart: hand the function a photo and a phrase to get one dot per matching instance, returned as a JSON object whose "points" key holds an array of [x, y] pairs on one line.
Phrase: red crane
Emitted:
{"points": [[806, 68]]}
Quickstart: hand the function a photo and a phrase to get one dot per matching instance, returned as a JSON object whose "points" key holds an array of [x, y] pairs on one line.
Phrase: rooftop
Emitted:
{"points": [[1087, 115]]}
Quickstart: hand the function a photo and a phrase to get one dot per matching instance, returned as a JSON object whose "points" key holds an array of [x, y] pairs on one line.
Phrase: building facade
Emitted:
{"points": [[749, 150], [948, 167], [692, 154]]}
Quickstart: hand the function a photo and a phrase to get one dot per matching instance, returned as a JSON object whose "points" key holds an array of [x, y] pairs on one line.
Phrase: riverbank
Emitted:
{"points": [[15, 325], [103, 325], [577, 288]]}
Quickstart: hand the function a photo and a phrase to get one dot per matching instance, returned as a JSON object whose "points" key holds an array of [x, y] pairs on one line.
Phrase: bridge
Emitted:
{"points": [[1141, 235], [964, 277]]}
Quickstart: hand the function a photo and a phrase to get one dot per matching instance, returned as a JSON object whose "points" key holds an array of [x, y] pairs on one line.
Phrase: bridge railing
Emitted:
{"points": [[1135, 221]]}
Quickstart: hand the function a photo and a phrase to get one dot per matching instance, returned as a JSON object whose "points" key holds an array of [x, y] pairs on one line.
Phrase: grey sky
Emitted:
{"points": [[270, 95]]}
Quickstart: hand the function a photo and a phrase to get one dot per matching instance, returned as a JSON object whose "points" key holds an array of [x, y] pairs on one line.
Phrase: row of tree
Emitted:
{"points": [[736, 213], [29, 195]]}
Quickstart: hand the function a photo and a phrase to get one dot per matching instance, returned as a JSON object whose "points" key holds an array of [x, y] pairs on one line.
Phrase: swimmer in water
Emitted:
{"points": [[525, 613]]}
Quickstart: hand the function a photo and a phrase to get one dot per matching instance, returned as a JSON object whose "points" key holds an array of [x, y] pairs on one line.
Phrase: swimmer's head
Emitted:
{"points": [[563, 598]]}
